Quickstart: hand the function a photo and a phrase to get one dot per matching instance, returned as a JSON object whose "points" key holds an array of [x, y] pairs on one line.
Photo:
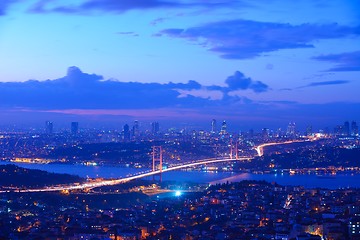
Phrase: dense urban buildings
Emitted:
{"points": [[74, 207]]}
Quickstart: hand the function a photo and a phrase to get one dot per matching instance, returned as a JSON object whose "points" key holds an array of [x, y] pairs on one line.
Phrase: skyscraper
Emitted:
{"points": [[223, 127], [74, 128], [213, 126], [346, 129], [339, 130], [155, 127], [308, 130], [49, 127], [265, 133], [354, 128], [136, 129], [126, 131], [291, 129]]}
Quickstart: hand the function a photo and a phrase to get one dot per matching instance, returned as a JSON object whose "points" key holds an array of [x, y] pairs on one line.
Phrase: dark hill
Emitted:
{"points": [[14, 176]]}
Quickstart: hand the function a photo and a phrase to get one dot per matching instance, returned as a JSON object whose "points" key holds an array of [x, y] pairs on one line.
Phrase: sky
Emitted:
{"points": [[253, 63]]}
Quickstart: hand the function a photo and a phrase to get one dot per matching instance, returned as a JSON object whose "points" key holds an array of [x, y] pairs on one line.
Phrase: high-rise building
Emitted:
{"points": [[265, 133], [49, 127], [354, 228], [309, 130], [136, 131], [126, 132], [346, 129], [213, 126], [339, 130], [74, 128], [223, 127], [354, 128], [291, 129], [136, 125], [155, 127]]}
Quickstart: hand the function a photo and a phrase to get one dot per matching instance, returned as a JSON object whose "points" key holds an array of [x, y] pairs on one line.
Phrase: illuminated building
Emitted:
{"points": [[291, 129], [155, 127], [135, 129], [213, 126], [265, 133], [354, 228], [223, 127], [309, 130], [49, 127], [354, 128]]}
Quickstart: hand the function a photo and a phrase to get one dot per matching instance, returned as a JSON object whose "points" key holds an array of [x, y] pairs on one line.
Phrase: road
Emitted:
{"points": [[125, 179], [260, 149], [106, 182]]}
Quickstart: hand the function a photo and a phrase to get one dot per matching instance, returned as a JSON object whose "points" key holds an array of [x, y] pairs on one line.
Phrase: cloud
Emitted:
{"points": [[157, 21], [132, 34], [241, 39], [89, 97], [349, 61], [325, 83], [203, 93], [239, 81], [318, 84], [126, 5], [78, 90], [4, 5], [121, 6]]}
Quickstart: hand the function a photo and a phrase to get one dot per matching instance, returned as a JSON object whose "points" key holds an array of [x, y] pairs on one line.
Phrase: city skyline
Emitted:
{"points": [[135, 128], [246, 62]]}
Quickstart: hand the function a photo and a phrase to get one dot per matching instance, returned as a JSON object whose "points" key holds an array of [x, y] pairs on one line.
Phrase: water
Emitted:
{"points": [[309, 181], [82, 170]]}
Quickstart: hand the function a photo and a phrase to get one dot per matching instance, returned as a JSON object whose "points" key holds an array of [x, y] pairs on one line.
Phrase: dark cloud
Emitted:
{"points": [[78, 90], [239, 81], [157, 21], [349, 61], [325, 83], [191, 84], [239, 39], [126, 5], [101, 5], [4, 5], [88, 96], [319, 84], [120, 6]]}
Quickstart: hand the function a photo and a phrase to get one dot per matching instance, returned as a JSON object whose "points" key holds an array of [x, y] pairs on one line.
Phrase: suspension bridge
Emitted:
{"points": [[157, 169]]}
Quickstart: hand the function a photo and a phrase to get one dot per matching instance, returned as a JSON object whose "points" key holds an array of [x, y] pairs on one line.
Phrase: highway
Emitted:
{"points": [[125, 179], [107, 182], [260, 149]]}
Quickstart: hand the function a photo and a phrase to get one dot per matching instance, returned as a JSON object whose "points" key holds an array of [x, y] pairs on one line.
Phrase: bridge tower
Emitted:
{"points": [[234, 148], [157, 157]]}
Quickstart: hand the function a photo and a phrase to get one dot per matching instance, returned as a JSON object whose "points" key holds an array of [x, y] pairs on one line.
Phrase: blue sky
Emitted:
{"points": [[254, 63]]}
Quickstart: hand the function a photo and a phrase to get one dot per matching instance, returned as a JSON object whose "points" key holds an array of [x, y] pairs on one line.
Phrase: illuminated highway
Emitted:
{"points": [[260, 149], [102, 183], [106, 182]]}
